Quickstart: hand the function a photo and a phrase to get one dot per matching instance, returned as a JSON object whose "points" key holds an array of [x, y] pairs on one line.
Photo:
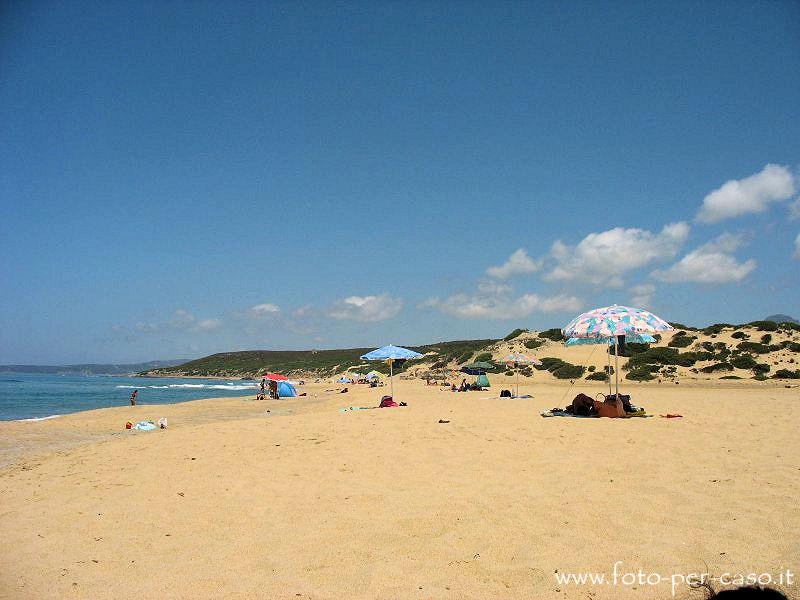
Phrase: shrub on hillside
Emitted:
{"points": [[682, 326], [568, 371], [720, 366], [744, 361], [715, 329], [786, 374], [465, 357], [681, 341], [514, 334], [550, 364], [484, 357], [739, 335], [597, 376], [707, 346], [761, 368], [533, 344], [766, 338], [753, 347], [631, 348], [662, 356], [552, 334], [641, 373], [764, 325]]}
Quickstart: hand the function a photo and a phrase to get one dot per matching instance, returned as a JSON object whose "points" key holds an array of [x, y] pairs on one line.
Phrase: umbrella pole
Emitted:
{"points": [[391, 377], [616, 364], [608, 371]]}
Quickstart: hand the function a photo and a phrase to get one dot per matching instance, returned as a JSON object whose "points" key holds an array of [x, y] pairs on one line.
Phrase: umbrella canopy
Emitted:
{"points": [[391, 352], [614, 320], [521, 359], [479, 366], [631, 338], [275, 377], [373, 375]]}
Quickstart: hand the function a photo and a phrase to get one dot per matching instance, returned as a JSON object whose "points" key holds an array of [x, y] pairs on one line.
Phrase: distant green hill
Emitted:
{"points": [[252, 363]]}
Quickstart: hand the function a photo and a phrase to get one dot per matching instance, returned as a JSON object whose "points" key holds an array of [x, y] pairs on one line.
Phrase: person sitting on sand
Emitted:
{"points": [[464, 387], [133, 397]]}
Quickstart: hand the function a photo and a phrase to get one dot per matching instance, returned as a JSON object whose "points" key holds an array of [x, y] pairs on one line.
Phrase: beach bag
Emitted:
{"points": [[610, 408], [505, 393], [387, 402], [582, 405], [625, 398]]}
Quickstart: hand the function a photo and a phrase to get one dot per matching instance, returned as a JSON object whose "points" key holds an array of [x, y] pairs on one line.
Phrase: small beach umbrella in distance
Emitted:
{"points": [[609, 322], [390, 354], [520, 359]]}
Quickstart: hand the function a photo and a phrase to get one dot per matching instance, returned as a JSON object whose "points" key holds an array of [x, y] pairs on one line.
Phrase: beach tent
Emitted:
{"points": [[482, 380], [286, 390], [372, 375]]}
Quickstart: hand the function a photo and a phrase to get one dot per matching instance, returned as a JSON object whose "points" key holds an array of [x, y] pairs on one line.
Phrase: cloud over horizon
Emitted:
{"points": [[605, 257], [736, 197], [519, 263], [711, 263], [366, 309]]}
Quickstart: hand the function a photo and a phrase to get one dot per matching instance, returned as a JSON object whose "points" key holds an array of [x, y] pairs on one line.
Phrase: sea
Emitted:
{"points": [[33, 396]]}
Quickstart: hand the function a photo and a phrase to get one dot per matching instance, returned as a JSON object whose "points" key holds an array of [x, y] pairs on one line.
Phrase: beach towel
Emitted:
{"points": [[144, 426]]}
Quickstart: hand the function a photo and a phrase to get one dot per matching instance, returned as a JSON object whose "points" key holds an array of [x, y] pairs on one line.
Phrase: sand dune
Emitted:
{"points": [[310, 502]]}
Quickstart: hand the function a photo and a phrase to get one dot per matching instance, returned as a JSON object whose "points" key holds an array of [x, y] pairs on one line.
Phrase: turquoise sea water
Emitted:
{"points": [[35, 396]]}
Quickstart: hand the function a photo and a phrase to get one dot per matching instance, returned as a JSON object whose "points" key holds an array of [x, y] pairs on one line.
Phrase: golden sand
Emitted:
{"points": [[307, 501]]}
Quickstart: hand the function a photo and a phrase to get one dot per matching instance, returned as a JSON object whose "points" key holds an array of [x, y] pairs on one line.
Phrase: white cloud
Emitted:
{"points": [[182, 320], [642, 295], [500, 303], [207, 324], [263, 311], [753, 194], [602, 258], [711, 263], [797, 247], [367, 309], [519, 263]]}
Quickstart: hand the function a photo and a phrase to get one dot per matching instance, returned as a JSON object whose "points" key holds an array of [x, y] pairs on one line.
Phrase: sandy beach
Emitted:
{"points": [[307, 501]]}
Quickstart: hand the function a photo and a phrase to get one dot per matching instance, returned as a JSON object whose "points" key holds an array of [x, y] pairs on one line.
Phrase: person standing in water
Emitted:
{"points": [[133, 397]]}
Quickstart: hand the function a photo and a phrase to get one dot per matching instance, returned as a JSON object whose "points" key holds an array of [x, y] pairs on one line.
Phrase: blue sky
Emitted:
{"points": [[178, 179]]}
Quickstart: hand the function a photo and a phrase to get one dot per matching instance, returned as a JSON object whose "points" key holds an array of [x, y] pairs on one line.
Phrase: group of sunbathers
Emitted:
{"points": [[466, 387]]}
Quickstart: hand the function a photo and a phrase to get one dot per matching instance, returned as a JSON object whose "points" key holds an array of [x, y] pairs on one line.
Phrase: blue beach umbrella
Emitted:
{"points": [[390, 354]]}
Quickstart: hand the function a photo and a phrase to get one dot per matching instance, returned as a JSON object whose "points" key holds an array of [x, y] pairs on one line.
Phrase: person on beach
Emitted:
{"points": [[133, 397]]}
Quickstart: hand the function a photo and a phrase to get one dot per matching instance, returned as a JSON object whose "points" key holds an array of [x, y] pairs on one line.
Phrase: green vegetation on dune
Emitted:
{"points": [[255, 362]]}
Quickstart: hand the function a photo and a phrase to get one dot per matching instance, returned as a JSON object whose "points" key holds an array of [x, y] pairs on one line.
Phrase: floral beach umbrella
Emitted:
{"points": [[389, 354], [520, 359], [614, 320], [608, 322]]}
